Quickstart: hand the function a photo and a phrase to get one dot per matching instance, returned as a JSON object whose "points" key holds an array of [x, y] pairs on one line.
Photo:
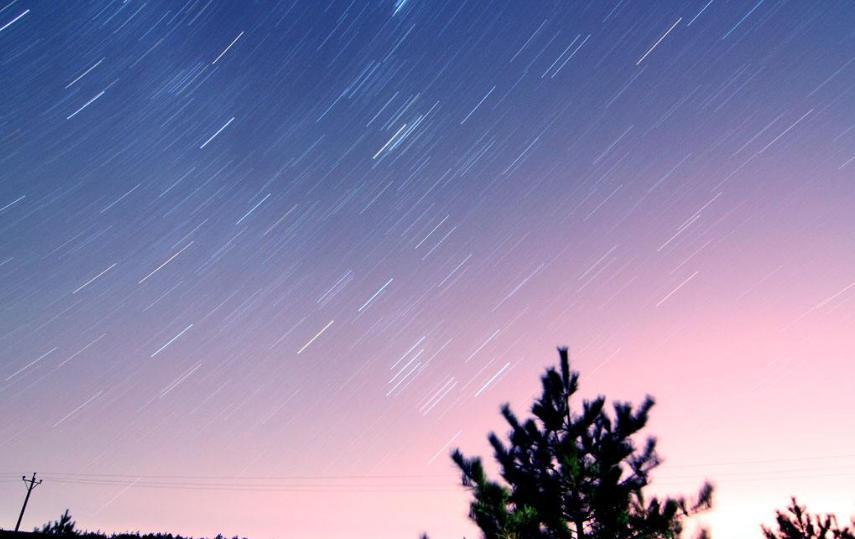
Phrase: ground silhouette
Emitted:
{"points": [[65, 526]]}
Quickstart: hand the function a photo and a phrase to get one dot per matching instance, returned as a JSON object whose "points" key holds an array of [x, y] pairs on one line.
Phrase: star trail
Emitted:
{"points": [[263, 262]]}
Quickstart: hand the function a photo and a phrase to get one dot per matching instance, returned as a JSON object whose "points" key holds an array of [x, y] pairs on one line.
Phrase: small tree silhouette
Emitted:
{"points": [[66, 526], [574, 474], [797, 523], [63, 526]]}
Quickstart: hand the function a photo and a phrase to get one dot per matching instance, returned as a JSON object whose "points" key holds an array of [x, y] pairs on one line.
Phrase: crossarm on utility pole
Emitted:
{"points": [[31, 484]]}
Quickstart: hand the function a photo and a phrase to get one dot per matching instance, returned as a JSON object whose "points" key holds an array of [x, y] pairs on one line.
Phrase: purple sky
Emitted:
{"points": [[262, 265]]}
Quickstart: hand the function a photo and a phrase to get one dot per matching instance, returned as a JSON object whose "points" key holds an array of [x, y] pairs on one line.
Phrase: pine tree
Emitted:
{"points": [[63, 526], [797, 523], [574, 474]]}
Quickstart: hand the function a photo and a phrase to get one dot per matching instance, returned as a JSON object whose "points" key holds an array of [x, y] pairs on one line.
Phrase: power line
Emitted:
{"points": [[666, 466], [137, 482], [398, 482], [406, 487], [247, 477], [270, 488]]}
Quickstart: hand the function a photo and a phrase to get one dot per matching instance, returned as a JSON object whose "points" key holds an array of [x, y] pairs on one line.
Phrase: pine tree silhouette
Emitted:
{"points": [[574, 474], [797, 523], [63, 526]]}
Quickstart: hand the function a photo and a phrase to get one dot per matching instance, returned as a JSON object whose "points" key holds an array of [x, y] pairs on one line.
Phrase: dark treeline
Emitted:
{"points": [[65, 526], [573, 472]]}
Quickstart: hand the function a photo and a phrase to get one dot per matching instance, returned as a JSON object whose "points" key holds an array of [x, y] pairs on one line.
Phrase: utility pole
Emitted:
{"points": [[31, 484]]}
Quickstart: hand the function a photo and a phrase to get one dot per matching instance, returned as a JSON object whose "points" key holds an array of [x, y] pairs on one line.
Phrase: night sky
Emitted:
{"points": [[263, 265]]}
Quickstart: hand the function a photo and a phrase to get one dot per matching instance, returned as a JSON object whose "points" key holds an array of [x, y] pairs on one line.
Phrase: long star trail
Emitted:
{"points": [[13, 21], [247, 214], [31, 363], [375, 295], [388, 142], [92, 280], [165, 391], [742, 20], [96, 64], [676, 289], [445, 447], [71, 414], [10, 204], [217, 59], [315, 337], [220, 130], [658, 41], [170, 341], [75, 354], [81, 109], [471, 112], [492, 379], [164, 263], [699, 13], [121, 198]]}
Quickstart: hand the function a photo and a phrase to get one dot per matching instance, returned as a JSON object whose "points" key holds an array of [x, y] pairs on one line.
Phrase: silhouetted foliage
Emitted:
{"points": [[66, 526], [797, 523], [63, 526], [574, 474]]}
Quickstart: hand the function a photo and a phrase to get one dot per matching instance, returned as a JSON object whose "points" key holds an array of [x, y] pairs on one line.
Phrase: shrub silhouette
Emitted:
{"points": [[66, 526], [574, 473], [63, 526], [797, 523]]}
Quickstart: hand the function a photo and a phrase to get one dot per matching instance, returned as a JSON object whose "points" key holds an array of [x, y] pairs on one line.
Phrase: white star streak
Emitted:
{"points": [[658, 41], [76, 112], [227, 48], [679, 286], [380, 291], [172, 340], [90, 281], [71, 413], [493, 379], [313, 339], [168, 260], [220, 130], [10, 23]]}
